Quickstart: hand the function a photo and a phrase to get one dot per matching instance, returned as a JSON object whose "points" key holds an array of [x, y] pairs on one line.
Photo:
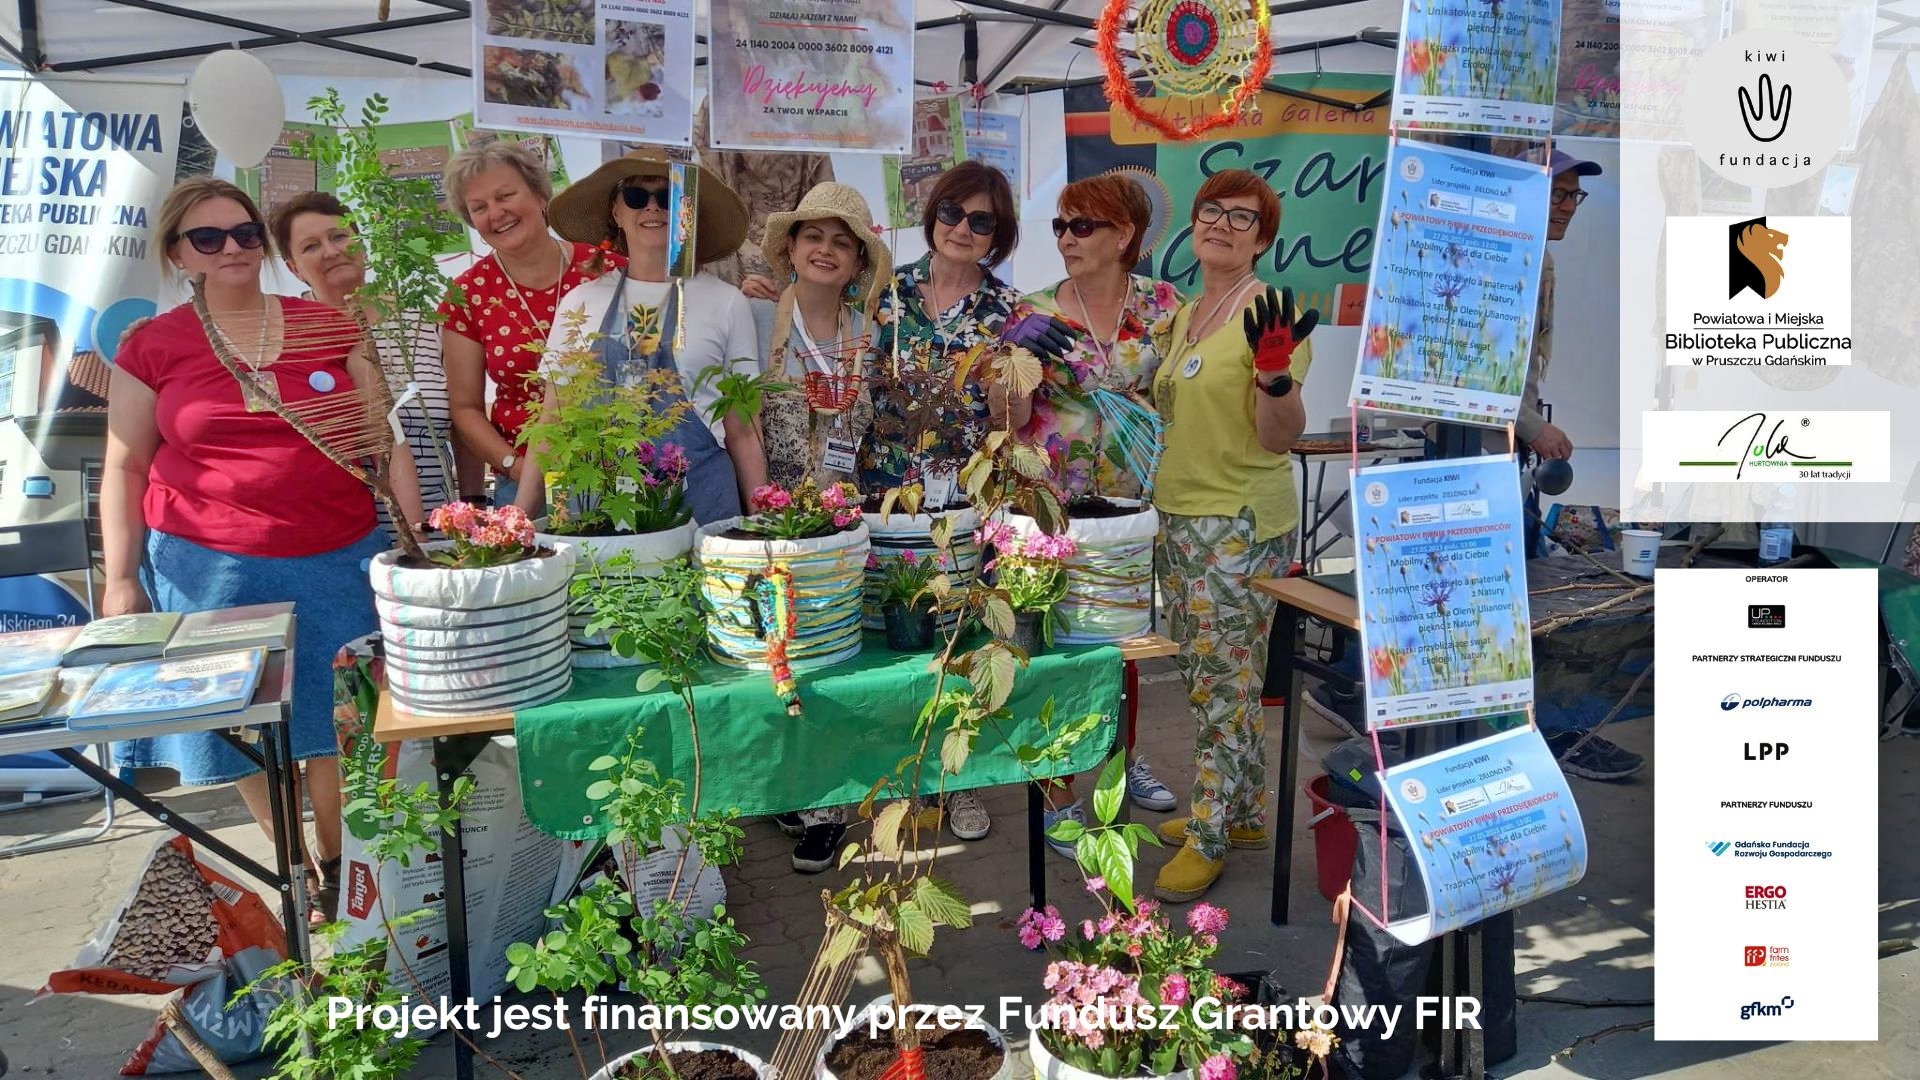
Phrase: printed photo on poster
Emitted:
{"points": [[1478, 67], [1588, 101], [612, 69], [284, 173], [939, 143], [420, 152], [993, 138], [683, 190], [1492, 826], [544, 147], [1455, 286], [1442, 590], [818, 76]]}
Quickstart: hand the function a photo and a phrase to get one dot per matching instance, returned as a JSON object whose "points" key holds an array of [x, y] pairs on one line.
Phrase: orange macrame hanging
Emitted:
{"points": [[1197, 50]]}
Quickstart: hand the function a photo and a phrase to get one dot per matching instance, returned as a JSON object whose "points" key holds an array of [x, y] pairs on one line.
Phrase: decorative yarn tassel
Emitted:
{"points": [[776, 594]]}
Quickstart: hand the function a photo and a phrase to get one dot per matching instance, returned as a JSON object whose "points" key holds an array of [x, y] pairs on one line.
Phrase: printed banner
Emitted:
{"points": [[993, 138], [683, 188], [1588, 101], [284, 174], [616, 69], [1471, 66], [544, 147], [1324, 162], [1493, 826], [1456, 281], [1442, 574], [87, 162], [939, 143], [420, 152], [812, 75]]}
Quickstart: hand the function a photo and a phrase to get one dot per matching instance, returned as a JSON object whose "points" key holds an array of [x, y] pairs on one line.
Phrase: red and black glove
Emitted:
{"points": [[1273, 330]]}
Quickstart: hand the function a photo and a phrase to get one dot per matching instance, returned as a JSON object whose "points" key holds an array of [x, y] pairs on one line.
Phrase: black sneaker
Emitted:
{"points": [[1342, 710], [818, 848], [791, 824], [1595, 759]]}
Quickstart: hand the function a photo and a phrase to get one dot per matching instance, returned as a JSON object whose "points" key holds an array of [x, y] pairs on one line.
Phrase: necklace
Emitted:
{"points": [[1239, 287], [539, 326], [816, 357], [1104, 350]]}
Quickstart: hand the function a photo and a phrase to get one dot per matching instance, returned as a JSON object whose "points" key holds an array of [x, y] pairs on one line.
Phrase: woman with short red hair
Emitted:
{"points": [[1229, 394]]}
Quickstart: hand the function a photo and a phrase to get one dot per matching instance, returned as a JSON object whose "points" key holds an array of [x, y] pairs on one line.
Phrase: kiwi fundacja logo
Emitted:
{"points": [[1753, 258]]}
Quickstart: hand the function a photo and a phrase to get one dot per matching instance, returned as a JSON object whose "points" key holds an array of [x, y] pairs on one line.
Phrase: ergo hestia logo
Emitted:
{"points": [[1766, 897]]}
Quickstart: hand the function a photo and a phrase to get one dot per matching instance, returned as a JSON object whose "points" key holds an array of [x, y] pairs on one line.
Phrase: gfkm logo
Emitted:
{"points": [[1735, 701], [1748, 1012]]}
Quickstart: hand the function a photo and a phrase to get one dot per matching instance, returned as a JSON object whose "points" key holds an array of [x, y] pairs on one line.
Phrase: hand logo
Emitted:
{"points": [[1763, 112]]}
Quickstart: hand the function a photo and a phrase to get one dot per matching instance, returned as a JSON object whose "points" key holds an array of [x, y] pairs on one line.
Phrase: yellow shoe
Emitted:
{"points": [[1175, 832], [1188, 876]]}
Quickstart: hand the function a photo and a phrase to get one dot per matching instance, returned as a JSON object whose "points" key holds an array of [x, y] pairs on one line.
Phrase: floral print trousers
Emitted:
{"points": [[1207, 566]]}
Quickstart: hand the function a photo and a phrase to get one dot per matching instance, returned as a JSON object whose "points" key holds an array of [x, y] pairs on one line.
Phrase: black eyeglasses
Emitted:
{"points": [[1238, 219], [1080, 227], [208, 240], [982, 222], [637, 197], [1561, 195]]}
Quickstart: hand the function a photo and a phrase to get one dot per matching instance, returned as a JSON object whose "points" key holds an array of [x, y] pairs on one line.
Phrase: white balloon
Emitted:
{"points": [[237, 105]]}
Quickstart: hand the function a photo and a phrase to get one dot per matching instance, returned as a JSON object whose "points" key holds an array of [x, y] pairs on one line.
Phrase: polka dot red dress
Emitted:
{"points": [[510, 325]]}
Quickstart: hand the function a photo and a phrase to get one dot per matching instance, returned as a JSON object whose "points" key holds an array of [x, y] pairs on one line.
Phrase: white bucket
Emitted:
{"points": [[759, 1067], [1048, 1067], [1110, 582], [829, 579], [651, 551]]}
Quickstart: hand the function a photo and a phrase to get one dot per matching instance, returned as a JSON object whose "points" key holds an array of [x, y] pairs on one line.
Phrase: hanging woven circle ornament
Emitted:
{"points": [[1211, 52]]}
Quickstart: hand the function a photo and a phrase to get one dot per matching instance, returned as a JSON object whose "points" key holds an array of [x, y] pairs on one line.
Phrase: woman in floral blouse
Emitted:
{"points": [[942, 311]]}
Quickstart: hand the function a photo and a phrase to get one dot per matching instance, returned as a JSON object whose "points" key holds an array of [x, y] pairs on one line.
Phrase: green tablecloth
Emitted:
{"points": [[857, 726], [1899, 601]]}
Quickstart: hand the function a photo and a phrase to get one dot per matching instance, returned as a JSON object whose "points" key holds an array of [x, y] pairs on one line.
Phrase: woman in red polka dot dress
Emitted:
{"points": [[509, 298]]}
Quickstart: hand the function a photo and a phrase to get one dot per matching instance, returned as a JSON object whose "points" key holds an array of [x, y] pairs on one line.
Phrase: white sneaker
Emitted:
{"points": [[966, 817], [1146, 790]]}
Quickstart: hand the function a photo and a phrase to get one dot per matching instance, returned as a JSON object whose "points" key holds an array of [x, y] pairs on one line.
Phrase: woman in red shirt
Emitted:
{"points": [[506, 304], [211, 500]]}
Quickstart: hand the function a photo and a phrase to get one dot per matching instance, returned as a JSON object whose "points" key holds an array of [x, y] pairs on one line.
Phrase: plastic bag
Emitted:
{"points": [[234, 1032]]}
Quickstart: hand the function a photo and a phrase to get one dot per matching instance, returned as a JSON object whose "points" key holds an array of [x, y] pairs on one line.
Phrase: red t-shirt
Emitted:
{"points": [[504, 319], [240, 482]]}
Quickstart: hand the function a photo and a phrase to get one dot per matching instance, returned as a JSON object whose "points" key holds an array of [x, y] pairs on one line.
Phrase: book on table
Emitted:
{"points": [[264, 626], [122, 638], [23, 697], [34, 650], [69, 686], [166, 689]]}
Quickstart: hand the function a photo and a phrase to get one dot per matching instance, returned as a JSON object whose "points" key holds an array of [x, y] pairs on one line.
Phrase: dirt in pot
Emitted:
{"points": [[688, 1065], [1083, 507], [408, 562], [953, 1053]]}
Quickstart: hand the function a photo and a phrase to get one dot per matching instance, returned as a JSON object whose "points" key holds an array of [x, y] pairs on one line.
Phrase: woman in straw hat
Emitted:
{"points": [[831, 259], [702, 322]]}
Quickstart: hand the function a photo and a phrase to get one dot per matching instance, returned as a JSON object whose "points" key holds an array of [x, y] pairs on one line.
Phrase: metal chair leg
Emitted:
{"points": [[57, 842]]}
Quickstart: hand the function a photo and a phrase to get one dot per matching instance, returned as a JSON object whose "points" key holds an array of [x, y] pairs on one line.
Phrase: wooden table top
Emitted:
{"points": [[1313, 598]]}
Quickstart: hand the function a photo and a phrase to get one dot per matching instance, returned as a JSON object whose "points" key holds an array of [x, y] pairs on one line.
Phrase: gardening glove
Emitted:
{"points": [[1041, 334], [1273, 330]]}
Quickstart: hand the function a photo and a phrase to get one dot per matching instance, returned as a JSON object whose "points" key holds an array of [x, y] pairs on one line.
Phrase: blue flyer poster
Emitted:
{"points": [[1492, 826], [1442, 587], [1475, 66], [682, 191], [1456, 280]]}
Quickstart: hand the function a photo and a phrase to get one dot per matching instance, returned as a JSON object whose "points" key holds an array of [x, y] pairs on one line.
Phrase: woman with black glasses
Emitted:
{"points": [[942, 311]]}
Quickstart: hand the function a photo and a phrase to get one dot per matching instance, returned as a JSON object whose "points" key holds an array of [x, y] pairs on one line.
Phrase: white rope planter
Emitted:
{"points": [[1110, 582]]}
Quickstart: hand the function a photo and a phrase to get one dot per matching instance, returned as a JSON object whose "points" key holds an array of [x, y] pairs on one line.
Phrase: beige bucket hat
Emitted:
{"points": [[580, 212], [843, 203]]}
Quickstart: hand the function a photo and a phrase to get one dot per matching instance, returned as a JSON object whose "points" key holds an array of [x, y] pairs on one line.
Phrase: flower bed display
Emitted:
{"points": [[1110, 576]]}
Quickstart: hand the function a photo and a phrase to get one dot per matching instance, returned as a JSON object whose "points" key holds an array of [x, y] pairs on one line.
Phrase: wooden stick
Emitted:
{"points": [[1550, 625], [176, 1023], [1693, 552]]}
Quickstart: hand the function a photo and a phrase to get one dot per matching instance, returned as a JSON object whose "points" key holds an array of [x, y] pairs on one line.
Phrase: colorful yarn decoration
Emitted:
{"points": [[1194, 49], [773, 594]]}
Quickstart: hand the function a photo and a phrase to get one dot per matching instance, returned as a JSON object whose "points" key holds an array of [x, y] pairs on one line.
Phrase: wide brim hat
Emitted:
{"points": [[583, 211], [844, 204]]}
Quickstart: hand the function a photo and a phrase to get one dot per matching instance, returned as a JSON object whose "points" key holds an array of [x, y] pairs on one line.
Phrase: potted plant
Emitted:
{"points": [[906, 602], [614, 485], [783, 585], [1109, 592], [899, 522], [1030, 567], [480, 623]]}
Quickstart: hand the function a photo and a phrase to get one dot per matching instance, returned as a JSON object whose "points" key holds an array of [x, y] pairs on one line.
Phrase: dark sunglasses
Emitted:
{"points": [[637, 197], [1561, 195], [208, 240], [1080, 227], [982, 222]]}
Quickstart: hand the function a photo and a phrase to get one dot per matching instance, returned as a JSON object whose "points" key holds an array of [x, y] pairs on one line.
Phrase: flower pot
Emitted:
{"points": [[908, 629], [1110, 582], [898, 533], [829, 576], [1029, 632], [1048, 1067], [473, 641], [612, 1069], [651, 551], [859, 1026]]}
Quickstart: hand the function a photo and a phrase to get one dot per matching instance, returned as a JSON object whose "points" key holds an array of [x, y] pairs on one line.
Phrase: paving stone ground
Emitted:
{"points": [[1592, 943]]}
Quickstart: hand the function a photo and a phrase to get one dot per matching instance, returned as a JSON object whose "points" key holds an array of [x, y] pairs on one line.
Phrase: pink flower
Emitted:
{"points": [[1095, 884], [671, 465], [1029, 936], [1217, 1067], [1134, 949], [846, 519], [1174, 990], [1204, 918], [1107, 923], [909, 558], [768, 497], [1087, 929], [643, 453], [995, 533], [833, 498], [1038, 926], [873, 561]]}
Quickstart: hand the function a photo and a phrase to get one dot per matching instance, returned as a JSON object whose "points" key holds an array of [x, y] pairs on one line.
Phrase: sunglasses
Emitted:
{"points": [[637, 197], [1080, 227], [208, 240], [981, 222], [1239, 219], [1561, 195]]}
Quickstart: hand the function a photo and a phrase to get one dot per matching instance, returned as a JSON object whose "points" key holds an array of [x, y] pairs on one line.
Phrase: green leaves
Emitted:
{"points": [[914, 926], [886, 828], [942, 902], [1110, 789], [992, 674]]}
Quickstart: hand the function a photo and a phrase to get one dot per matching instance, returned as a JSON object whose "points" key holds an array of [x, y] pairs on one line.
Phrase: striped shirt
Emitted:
{"points": [[409, 348]]}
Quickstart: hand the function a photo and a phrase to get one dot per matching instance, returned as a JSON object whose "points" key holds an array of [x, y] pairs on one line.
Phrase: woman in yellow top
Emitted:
{"points": [[1228, 390]]}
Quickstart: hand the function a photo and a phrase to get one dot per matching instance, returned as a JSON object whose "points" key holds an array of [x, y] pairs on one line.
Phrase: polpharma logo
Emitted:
{"points": [[1719, 847], [1735, 701], [1748, 1012]]}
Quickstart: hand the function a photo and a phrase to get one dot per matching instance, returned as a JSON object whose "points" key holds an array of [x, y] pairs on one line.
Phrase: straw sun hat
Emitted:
{"points": [[842, 203], [582, 212]]}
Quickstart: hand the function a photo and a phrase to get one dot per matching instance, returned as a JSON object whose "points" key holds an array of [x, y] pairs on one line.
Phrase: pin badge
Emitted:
{"points": [[321, 381], [1191, 367]]}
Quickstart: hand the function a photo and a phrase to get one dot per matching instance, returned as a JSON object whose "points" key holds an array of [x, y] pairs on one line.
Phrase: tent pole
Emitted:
{"points": [[969, 50], [31, 57]]}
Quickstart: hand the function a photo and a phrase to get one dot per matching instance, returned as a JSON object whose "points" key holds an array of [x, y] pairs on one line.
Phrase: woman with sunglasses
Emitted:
{"points": [[505, 310], [1229, 393], [702, 322], [209, 499], [940, 309], [1110, 318]]}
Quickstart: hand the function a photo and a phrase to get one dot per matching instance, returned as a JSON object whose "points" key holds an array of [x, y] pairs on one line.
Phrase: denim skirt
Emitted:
{"points": [[332, 597]]}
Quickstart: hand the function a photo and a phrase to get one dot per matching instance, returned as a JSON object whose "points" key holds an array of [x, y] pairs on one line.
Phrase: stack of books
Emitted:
{"points": [[131, 669]]}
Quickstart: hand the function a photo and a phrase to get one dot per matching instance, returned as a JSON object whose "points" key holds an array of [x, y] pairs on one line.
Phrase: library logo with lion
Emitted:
{"points": [[1753, 258]]}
